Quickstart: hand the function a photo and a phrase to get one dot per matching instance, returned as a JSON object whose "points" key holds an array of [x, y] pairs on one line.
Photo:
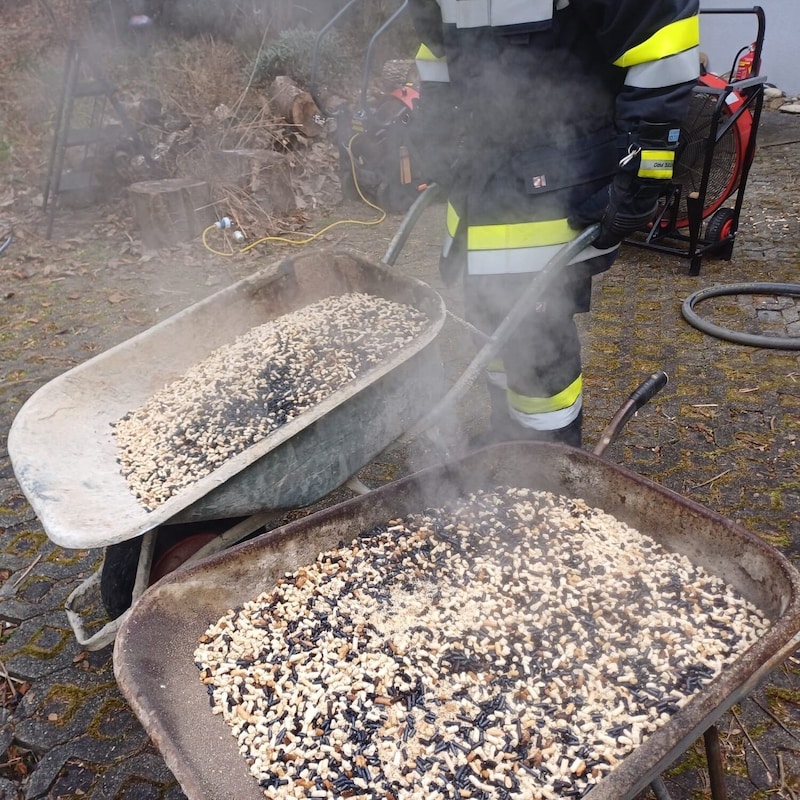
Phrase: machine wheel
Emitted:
{"points": [[720, 225]]}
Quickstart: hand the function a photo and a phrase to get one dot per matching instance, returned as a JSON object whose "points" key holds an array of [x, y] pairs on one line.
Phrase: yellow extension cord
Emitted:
{"points": [[310, 237]]}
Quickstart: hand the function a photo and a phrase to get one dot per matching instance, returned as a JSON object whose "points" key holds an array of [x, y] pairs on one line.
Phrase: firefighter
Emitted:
{"points": [[543, 116]]}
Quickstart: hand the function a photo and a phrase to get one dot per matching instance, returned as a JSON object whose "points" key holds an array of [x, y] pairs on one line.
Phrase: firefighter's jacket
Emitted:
{"points": [[551, 98]]}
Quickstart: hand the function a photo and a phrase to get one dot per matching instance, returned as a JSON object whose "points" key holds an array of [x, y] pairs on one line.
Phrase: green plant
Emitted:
{"points": [[291, 54]]}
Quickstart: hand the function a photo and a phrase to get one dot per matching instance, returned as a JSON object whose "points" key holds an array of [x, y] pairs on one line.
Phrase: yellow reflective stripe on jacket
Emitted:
{"points": [[543, 405], [671, 39], [431, 69], [670, 71], [519, 234], [656, 164], [452, 219], [515, 248]]}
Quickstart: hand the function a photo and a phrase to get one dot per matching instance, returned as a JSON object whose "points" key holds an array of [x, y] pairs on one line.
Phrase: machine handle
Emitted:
{"points": [[642, 394]]}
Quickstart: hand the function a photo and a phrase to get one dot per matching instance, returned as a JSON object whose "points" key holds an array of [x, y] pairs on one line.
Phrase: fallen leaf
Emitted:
{"points": [[52, 717], [116, 298]]}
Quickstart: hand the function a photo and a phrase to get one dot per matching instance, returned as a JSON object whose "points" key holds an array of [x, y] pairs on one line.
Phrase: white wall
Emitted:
{"points": [[721, 37]]}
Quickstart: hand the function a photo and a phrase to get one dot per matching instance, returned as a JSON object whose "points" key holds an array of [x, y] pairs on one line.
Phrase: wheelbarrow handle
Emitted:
{"points": [[642, 394]]}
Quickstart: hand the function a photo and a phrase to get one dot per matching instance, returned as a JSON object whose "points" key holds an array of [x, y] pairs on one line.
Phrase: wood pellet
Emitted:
{"points": [[244, 391], [516, 645]]}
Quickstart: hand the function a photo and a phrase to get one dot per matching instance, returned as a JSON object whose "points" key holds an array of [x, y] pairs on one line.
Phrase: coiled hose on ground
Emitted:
{"points": [[739, 337]]}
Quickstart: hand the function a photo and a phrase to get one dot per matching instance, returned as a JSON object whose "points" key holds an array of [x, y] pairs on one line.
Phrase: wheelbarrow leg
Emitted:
{"points": [[659, 789], [716, 776], [108, 632]]}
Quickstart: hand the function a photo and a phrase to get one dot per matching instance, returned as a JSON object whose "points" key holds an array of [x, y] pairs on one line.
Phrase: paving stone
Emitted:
{"points": [[44, 583], [71, 703], [41, 646], [6, 735], [146, 776], [9, 790], [99, 769]]}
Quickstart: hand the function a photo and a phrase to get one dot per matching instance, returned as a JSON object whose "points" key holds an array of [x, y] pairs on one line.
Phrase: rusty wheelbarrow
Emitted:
{"points": [[153, 655]]}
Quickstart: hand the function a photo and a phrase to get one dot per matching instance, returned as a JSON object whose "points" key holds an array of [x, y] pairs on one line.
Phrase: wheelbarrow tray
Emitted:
{"points": [[65, 458], [153, 654]]}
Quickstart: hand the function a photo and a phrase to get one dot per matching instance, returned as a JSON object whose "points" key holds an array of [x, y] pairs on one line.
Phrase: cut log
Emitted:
{"points": [[171, 210], [296, 107], [264, 174]]}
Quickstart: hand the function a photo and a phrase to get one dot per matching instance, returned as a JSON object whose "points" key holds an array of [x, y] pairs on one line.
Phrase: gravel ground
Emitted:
{"points": [[723, 432]]}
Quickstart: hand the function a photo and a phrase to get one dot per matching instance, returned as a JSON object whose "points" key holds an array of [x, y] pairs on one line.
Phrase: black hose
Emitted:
{"points": [[754, 340], [642, 394]]}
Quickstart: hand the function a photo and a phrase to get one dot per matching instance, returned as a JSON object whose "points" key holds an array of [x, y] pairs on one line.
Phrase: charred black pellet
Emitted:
{"points": [[244, 391], [462, 666]]}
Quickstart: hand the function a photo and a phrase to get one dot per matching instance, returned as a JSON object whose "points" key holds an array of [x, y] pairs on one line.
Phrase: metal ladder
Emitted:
{"points": [[85, 96]]}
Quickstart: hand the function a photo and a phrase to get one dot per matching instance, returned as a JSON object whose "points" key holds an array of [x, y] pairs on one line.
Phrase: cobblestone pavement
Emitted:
{"points": [[724, 432]]}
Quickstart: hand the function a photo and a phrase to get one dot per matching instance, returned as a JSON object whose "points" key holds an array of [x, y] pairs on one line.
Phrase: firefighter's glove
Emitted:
{"points": [[643, 177], [632, 204], [591, 210]]}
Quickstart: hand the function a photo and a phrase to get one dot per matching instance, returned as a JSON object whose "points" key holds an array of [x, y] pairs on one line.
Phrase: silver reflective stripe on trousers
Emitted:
{"points": [[548, 420], [521, 259], [495, 13]]}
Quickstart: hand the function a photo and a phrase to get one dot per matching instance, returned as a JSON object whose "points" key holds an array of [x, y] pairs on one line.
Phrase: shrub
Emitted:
{"points": [[291, 53]]}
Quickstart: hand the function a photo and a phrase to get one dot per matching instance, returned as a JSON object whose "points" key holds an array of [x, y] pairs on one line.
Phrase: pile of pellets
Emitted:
{"points": [[244, 391], [517, 645]]}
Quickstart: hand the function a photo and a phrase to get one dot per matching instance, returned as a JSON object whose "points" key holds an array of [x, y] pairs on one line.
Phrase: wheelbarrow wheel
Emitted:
{"points": [[119, 575], [174, 545]]}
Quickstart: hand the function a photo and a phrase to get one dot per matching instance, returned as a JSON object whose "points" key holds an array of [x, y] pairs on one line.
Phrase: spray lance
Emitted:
{"points": [[540, 283]]}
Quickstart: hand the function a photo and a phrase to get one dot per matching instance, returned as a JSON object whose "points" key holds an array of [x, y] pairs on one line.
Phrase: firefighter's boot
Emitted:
{"points": [[502, 428]]}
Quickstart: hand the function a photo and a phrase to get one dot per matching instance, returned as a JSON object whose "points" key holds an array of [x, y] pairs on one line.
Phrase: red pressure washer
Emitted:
{"points": [[376, 156], [717, 146]]}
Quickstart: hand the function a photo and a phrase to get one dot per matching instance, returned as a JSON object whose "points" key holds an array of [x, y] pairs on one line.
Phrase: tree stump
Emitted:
{"points": [[171, 210], [264, 174], [296, 107]]}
